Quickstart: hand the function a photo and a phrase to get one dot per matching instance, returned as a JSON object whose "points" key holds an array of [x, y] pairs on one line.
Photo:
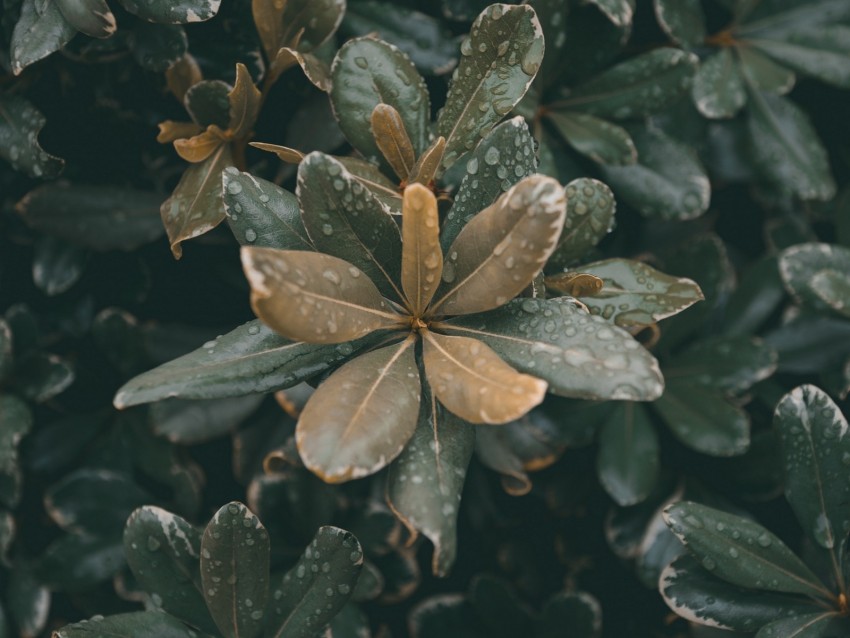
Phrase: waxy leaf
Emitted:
{"points": [[823, 52], [598, 139], [426, 481], [501, 249], [369, 72], [763, 72], [195, 206], [250, 359], [813, 273], [139, 624], [392, 140], [235, 571], [579, 355], [318, 586], [474, 383], [502, 158], [422, 258], [815, 446], [313, 297], [91, 17], [345, 219], [41, 30], [173, 11], [628, 459], [590, 216], [822, 624], [375, 181], [682, 20], [361, 417], [499, 61], [740, 551], [718, 89], [20, 124], [261, 213]]}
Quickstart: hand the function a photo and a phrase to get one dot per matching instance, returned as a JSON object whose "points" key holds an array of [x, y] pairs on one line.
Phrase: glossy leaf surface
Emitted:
{"points": [[628, 459], [41, 30], [422, 258], [598, 139], [590, 216]]}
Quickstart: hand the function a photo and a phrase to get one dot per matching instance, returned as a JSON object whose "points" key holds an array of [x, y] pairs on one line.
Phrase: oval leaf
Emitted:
{"points": [[91, 17], [41, 30], [598, 139], [590, 216], [628, 459], [392, 140], [800, 265], [718, 88], [682, 20], [422, 258]]}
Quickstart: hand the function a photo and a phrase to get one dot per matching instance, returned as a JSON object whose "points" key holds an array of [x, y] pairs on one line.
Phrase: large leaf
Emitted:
{"points": [[815, 446], [718, 89], [590, 216], [471, 381], [598, 139], [313, 297], [41, 30], [368, 72], [139, 624], [501, 249], [422, 258], [361, 417], [728, 364], [20, 123], [578, 354], [247, 360], [235, 571], [318, 586], [173, 11], [195, 206], [425, 482], [740, 551], [806, 268], [345, 219], [628, 459], [498, 63], [682, 20]]}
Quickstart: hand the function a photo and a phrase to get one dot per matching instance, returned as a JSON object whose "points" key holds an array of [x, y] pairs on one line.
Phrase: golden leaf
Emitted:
{"points": [[421, 257], [169, 130], [284, 153], [392, 140], [182, 76], [428, 163], [198, 148], [245, 101], [574, 284]]}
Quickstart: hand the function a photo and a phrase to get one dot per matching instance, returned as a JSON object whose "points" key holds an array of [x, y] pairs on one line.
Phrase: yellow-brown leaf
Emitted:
{"points": [[169, 130], [426, 166], [284, 153], [421, 255], [182, 76], [392, 140], [268, 18], [574, 284], [198, 148], [245, 101]]}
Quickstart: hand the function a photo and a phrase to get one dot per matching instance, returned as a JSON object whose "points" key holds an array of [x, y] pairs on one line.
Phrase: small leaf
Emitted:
{"points": [[199, 147], [598, 139], [574, 284], [172, 11], [317, 70], [515, 235], [139, 624], [422, 258], [590, 217], [362, 416], [499, 61], [195, 206], [805, 270], [235, 571], [833, 288], [573, 351], [682, 20], [763, 72], [91, 17], [20, 124], [392, 140], [740, 551], [718, 89], [245, 100], [425, 482], [208, 104], [318, 586], [41, 30], [628, 460], [182, 76], [426, 167], [822, 52], [171, 131], [56, 265], [42, 376], [471, 380], [284, 153], [817, 625]]}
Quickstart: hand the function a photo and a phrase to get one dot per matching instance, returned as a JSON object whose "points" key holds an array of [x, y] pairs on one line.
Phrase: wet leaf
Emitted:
{"points": [[579, 355], [245, 100], [392, 140], [371, 177], [425, 482], [628, 459], [317, 70], [422, 258], [598, 139], [345, 219], [172, 11], [261, 213], [816, 625], [502, 248], [573, 284], [636, 294], [361, 417], [195, 207], [369, 72], [718, 89], [318, 586], [822, 52], [187, 422], [498, 63], [20, 124], [682, 20], [41, 30], [728, 364], [590, 216], [814, 274], [91, 17], [57, 266], [741, 551], [139, 624], [763, 72], [426, 167], [235, 571], [157, 47]]}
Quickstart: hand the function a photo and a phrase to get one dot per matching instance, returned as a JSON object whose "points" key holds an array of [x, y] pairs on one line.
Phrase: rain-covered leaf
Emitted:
{"points": [[235, 571], [590, 216], [156, 47], [498, 63], [172, 11], [422, 258], [682, 20], [628, 459], [57, 265], [741, 551], [578, 354], [41, 30], [598, 139], [814, 272], [139, 624], [20, 124], [361, 417], [392, 140], [718, 89]]}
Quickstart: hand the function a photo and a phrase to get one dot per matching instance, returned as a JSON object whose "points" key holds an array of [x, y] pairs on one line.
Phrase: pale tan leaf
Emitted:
{"points": [[574, 284], [392, 139], [474, 383], [362, 416], [502, 248], [313, 297], [169, 130], [182, 76], [198, 148], [268, 18], [245, 101], [421, 256], [284, 153], [428, 163], [316, 69]]}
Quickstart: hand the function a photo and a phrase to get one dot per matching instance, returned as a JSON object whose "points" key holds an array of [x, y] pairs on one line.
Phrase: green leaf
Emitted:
{"points": [[362, 416], [598, 139], [425, 482], [619, 12], [91, 17], [763, 72], [718, 89], [173, 11], [813, 274], [728, 364], [344, 219], [780, 16], [516, 234], [579, 611], [554, 15], [579, 355], [740, 551], [187, 422], [195, 207], [498, 63], [368, 72], [250, 359], [42, 376], [445, 615], [815, 446], [818, 625], [785, 147], [635, 88], [77, 563], [41, 30], [833, 288], [164, 551], [318, 586], [28, 600], [56, 265], [668, 182], [375, 181], [97, 217], [207, 103], [20, 124], [7, 535], [156, 47], [682, 20], [695, 595], [139, 624], [590, 217], [502, 158], [235, 571], [822, 52], [636, 294], [628, 459], [261, 213]]}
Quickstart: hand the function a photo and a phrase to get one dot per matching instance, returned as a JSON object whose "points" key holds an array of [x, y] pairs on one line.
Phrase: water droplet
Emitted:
{"points": [[250, 235], [362, 62], [327, 230], [234, 188]]}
